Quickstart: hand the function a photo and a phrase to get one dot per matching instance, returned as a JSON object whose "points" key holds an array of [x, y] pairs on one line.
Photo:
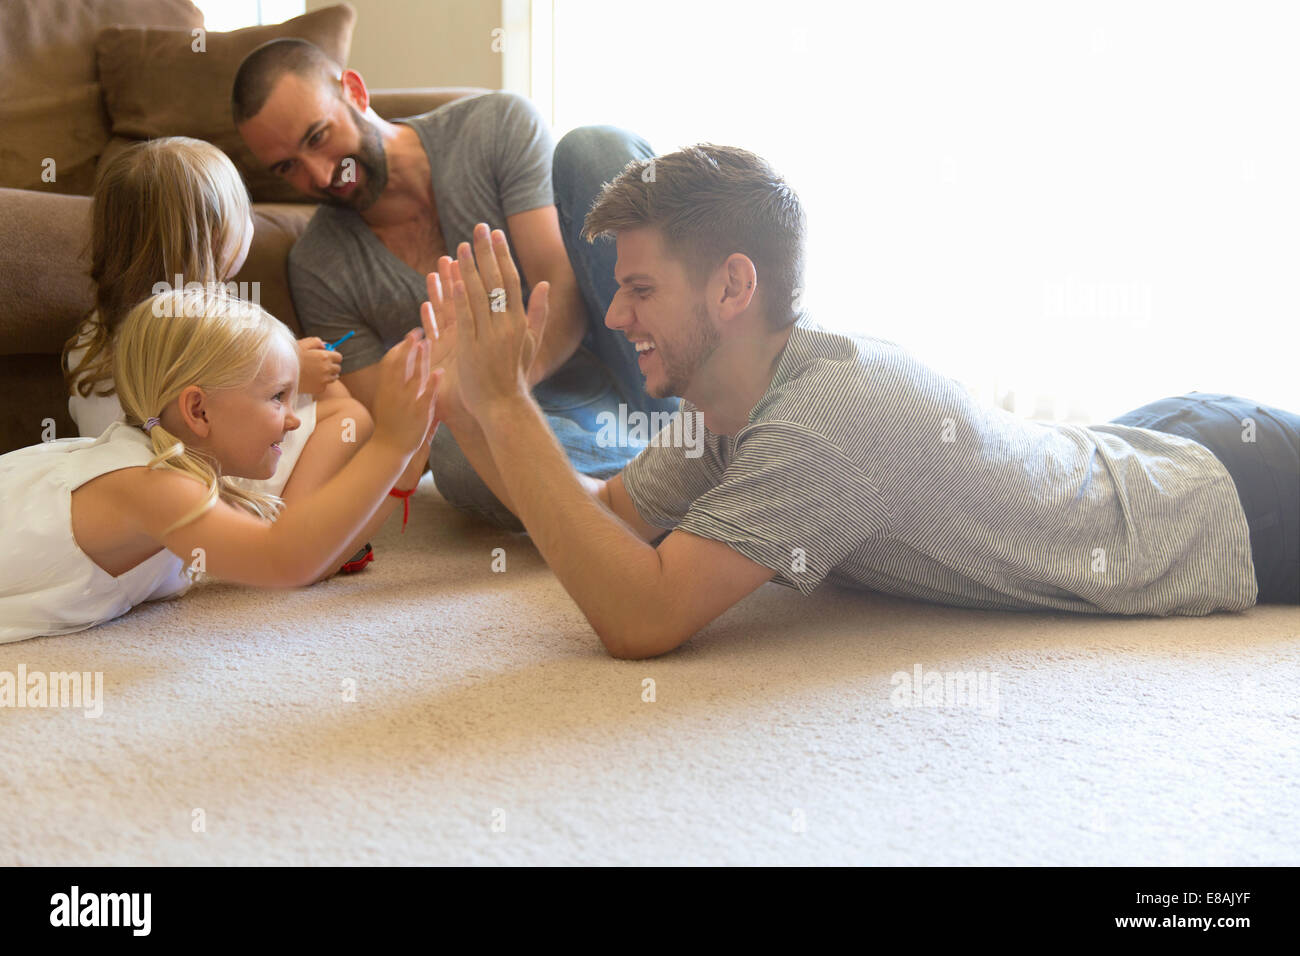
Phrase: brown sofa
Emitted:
{"points": [[53, 106]]}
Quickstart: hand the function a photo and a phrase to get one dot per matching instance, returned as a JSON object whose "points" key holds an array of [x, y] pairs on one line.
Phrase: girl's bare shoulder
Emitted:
{"points": [[143, 492]]}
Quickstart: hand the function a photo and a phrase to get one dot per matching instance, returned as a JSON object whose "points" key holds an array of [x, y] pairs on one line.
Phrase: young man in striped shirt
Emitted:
{"points": [[831, 457]]}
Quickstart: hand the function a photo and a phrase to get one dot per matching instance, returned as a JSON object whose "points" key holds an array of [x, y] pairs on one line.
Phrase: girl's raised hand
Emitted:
{"points": [[404, 401], [439, 319]]}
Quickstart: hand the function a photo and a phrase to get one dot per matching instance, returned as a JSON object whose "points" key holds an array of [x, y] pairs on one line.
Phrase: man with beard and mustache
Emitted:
{"points": [[837, 457], [397, 195]]}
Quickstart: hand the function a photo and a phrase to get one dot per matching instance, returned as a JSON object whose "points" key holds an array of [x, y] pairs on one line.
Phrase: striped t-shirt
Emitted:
{"points": [[863, 467]]}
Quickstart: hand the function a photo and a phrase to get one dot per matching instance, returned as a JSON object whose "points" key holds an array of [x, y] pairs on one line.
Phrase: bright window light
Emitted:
{"points": [[1090, 207], [225, 15]]}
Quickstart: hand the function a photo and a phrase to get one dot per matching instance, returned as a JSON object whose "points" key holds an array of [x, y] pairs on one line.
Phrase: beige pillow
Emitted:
{"points": [[68, 148], [156, 84], [50, 102]]}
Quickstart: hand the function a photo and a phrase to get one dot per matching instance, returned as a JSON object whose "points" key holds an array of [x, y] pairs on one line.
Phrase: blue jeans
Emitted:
{"points": [[603, 373], [1260, 448]]}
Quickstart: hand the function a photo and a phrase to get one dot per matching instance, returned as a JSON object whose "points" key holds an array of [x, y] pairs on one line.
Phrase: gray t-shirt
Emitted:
{"points": [[490, 157], [862, 466]]}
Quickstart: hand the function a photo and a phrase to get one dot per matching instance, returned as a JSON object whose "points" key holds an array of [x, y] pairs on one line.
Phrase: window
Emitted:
{"points": [[1087, 208], [224, 15]]}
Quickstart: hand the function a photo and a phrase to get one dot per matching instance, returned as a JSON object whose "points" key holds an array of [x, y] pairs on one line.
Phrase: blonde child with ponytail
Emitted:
{"points": [[206, 383], [173, 207]]}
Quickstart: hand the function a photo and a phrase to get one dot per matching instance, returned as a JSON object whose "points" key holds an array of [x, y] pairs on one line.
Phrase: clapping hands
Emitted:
{"points": [[476, 321], [404, 406]]}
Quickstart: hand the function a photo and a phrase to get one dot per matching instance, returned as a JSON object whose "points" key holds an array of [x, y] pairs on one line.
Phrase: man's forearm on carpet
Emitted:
{"points": [[609, 572]]}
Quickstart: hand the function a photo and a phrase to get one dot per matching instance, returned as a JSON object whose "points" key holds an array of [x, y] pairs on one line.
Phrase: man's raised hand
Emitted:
{"points": [[495, 348]]}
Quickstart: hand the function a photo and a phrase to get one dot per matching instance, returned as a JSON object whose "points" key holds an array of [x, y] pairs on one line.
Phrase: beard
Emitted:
{"points": [[371, 160], [681, 360]]}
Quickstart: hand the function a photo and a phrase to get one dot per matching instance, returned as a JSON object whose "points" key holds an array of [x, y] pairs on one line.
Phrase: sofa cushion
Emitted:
{"points": [[44, 269], [156, 83], [52, 142], [51, 106]]}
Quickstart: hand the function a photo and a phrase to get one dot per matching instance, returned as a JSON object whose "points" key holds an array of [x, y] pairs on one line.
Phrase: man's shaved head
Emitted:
{"points": [[262, 68]]}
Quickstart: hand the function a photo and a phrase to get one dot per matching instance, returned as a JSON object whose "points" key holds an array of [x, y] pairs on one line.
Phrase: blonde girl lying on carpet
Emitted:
{"points": [[206, 383], [174, 207]]}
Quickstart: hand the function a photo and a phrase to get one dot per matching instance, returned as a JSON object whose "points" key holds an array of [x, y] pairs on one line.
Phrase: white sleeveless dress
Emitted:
{"points": [[47, 583], [94, 413]]}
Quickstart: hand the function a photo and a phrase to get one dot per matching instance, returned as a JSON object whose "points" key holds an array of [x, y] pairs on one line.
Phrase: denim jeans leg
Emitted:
{"points": [[585, 159], [1259, 447]]}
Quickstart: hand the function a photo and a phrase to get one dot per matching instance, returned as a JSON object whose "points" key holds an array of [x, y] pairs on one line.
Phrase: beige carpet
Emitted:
{"points": [[489, 727]]}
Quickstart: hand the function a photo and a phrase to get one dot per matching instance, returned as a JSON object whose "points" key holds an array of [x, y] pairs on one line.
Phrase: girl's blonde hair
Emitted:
{"points": [[162, 208], [181, 338]]}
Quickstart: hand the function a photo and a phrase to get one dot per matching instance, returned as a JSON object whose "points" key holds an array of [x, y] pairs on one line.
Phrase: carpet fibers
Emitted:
{"points": [[433, 710]]}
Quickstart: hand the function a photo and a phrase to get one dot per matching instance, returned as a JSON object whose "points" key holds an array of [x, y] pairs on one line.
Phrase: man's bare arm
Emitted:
{"points": [[443, 331], [640, 600]]}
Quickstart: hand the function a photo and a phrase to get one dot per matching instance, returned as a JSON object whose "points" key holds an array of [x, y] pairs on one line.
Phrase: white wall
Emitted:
{"points": [[411, 43]]}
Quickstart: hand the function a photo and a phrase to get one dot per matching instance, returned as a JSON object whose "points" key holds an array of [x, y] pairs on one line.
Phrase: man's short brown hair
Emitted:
{"points": [[262, 69], [708, 202]]}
